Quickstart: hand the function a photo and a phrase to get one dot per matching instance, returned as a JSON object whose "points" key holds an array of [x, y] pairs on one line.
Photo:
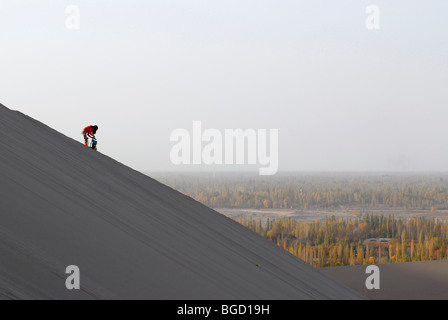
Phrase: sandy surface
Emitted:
{"points": [[399, 281], [132, 238]]}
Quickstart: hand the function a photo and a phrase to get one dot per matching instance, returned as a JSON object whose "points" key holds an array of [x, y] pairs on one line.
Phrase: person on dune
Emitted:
{"points": [[89, 132]]}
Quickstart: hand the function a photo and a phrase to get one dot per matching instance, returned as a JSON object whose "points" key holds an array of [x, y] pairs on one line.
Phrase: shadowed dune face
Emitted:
{"points": [[131, 237], [398, 281]]}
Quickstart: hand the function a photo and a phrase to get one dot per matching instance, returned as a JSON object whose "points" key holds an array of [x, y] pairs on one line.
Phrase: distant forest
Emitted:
{"points": [[361, 239], [315, 191], [340, 242]]}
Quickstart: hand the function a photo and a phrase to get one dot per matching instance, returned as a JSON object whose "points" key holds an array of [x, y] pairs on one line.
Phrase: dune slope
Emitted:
{"points": [[132, 238]]}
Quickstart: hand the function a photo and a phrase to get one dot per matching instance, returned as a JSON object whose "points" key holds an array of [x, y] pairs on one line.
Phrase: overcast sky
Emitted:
{"points": [[343, 97]]}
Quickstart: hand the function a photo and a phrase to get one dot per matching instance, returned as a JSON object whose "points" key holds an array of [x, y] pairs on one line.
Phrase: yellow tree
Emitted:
{"points": [[360, 255], [391, 251], [404, 248]]}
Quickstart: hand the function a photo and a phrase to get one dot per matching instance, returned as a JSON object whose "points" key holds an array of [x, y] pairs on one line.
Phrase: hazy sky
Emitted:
{"points": [[343, 97]]}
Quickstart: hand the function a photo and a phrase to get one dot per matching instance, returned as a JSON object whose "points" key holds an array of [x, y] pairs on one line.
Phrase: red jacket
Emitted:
{"points": [[89, 130]]}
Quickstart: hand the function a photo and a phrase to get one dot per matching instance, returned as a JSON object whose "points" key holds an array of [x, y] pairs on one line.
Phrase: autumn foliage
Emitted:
{"points": [[340, 242]]}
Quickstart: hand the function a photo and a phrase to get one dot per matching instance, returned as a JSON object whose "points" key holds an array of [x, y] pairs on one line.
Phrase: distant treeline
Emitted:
{"points": [[316, 191], [340, 242]]}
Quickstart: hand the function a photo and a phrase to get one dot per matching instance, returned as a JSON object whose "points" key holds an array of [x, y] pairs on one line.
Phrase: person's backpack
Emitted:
{"points": [[93, 144]]}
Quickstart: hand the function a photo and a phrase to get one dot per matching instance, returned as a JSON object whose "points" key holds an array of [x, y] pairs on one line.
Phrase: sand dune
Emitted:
{"points": [[399, 281], [132, 238]]}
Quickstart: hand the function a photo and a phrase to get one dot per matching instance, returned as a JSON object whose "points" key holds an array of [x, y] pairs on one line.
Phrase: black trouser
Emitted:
{"points": [[86, 139]]}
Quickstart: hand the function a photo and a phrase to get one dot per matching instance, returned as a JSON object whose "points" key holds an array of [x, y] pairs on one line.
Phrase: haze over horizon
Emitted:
{"points": [[344, 98]]}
